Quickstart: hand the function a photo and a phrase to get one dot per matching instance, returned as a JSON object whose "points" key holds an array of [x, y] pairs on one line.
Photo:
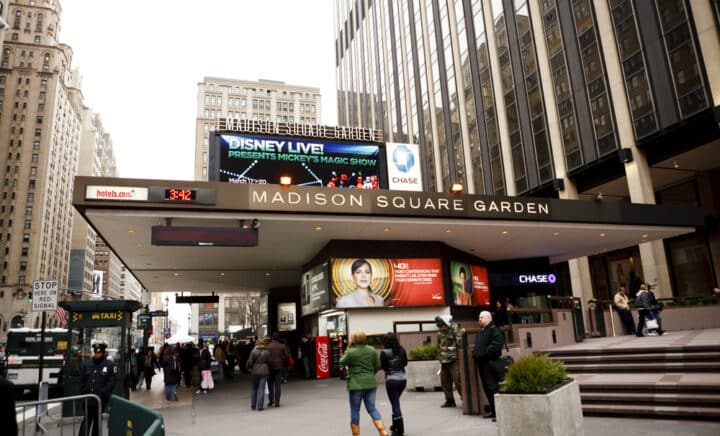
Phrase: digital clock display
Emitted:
{"points": [[180, 194]]}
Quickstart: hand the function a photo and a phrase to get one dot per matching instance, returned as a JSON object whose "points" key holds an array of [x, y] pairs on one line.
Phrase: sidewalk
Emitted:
{"points": [[320, 407]]}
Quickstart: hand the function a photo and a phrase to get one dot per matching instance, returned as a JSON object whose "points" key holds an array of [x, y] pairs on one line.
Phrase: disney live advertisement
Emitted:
{"points": [[263, 159], [470, 284], [377, 282]]}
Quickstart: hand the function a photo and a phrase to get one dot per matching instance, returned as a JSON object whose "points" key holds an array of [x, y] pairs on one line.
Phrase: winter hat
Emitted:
{"points": [[443, 320]]}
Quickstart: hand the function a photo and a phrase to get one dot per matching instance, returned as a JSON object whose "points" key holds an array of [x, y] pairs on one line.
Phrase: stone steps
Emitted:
{"points": [[644, 411], [647, 381]]}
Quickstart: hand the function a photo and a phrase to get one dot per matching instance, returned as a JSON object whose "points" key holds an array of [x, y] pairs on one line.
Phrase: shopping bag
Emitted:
{"points": [[651, 324], [267, 391]]}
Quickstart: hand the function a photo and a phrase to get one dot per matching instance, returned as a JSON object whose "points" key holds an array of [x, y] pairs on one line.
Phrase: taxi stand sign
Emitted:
{"points": [[44, 295]]}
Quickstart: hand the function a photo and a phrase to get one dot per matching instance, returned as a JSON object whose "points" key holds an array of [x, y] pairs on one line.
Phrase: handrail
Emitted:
{"points": [[669, 301], [154, 427]]}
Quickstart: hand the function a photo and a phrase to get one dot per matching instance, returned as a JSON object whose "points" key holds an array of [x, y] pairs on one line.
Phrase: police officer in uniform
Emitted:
{"points": [[449, 342], [98, 377]]}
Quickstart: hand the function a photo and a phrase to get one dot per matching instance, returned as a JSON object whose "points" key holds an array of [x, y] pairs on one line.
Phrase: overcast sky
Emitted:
{"points": [[141, 62]]}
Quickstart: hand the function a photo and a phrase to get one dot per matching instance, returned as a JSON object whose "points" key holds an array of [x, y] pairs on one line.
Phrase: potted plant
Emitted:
{"points": [[423, 369], [538, 398]]}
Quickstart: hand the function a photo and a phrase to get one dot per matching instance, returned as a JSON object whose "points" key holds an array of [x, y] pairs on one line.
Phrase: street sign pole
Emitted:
{"points": [[42, 347], [45, 296]]}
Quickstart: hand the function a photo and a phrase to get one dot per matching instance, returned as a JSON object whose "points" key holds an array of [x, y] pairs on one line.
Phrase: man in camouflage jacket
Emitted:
{"points": [[449, 342]]}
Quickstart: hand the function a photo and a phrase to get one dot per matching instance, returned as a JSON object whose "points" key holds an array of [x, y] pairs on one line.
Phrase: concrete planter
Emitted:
{"points": [[557, 413], [422, 375]]}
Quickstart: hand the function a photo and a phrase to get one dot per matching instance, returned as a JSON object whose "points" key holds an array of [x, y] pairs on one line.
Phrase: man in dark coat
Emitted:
{"points": [[278, 357], [97, 377], [488, 348], [7, 407]]}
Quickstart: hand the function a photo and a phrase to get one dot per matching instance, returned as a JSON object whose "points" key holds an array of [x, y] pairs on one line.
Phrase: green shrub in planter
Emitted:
{"points": [[424, 352], [534, 374]]}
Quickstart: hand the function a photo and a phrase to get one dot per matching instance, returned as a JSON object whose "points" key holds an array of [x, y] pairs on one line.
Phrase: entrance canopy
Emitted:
{"points": [[275, 230]]}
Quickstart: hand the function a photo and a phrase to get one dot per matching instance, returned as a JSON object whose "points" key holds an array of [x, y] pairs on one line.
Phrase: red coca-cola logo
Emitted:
{"points": [[324, 361]]}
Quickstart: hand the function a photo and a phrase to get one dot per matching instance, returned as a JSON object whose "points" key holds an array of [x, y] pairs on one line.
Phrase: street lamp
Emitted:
{"points": [[167, 313]]}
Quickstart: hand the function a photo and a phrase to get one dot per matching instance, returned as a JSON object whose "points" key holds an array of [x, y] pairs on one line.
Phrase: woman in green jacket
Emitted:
{"points": [[362, 363]]}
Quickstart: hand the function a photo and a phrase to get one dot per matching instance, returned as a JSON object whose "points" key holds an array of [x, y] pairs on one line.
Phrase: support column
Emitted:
{"points": [[637, 172], [709, 43]]}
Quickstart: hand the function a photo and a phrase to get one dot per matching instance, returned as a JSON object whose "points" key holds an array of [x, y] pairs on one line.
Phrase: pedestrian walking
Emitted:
{"points": [[488, 348], [622, 304], [97, 377], [258, 364], [362, 363], [450, 341], [7, 407], [171, 374], [149, 364], [393, 360], [278, 357], [304, 352], [207, 383], [647, 313]]}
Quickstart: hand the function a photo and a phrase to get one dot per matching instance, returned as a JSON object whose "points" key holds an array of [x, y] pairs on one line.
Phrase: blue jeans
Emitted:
{"points": [[366, 396], [274, 381], [257, 393], [395, 388], [170, 390]]}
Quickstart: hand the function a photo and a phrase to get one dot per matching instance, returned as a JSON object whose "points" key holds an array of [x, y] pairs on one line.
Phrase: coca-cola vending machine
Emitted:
{"points": [[322, 357]]}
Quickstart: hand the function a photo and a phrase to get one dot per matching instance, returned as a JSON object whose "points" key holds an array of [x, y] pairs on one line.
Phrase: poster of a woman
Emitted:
{"points": [[462, 284], [362, 295]]}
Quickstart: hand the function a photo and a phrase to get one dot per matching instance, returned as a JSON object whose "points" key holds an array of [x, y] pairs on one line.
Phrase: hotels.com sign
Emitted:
{"points": [[116, 193]]}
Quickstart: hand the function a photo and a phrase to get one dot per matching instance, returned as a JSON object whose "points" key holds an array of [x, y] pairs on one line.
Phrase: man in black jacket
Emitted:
{"points": [[98, 377], [488, 348], [7, 407]]}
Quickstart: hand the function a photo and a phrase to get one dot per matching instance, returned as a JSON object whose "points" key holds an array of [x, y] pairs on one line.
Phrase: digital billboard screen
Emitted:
{"points": [[314, 295], [375, 282], [310, 162], [470, 284]]}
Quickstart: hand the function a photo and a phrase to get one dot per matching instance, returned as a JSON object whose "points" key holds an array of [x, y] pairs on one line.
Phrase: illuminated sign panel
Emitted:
{"points": [[365, 282], [309, 162], [470, 284]]}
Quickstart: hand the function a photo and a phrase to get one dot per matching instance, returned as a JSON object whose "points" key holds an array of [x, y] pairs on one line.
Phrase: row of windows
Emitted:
{"points": [[260, 91]]}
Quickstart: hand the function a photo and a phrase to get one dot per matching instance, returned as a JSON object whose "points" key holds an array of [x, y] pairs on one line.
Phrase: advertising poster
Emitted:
{"points": [[403, 162], [310, 162], [470, 284], [322, 357], [97, 285], [374, 282], [286, 317], [314, 295]]}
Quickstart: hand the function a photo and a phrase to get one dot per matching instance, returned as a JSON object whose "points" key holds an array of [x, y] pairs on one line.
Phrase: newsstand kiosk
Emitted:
{"points": [[90, 322]]}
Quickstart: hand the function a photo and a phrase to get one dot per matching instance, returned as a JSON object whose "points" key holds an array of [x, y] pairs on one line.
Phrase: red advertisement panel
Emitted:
{"points": [[365, 282], [322, 357], [470, 284]]}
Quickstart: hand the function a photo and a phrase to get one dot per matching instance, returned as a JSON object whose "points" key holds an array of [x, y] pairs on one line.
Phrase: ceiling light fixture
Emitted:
{"points": [[285, 181], [448, 231], [504, 232], [676, 165], [556, 233], [131, 231], [176, 274], [645, 236], [318, 228], [386, 229], [602, 235]]}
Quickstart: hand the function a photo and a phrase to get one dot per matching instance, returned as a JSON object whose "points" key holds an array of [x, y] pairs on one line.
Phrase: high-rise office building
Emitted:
{"points": [[264, 100], [615, 100], [40, 123]]}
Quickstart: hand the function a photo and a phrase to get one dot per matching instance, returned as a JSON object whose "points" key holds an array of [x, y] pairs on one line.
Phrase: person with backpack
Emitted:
{"points": [[171, 374], [488, 348], [149, 364], [393, 360]]}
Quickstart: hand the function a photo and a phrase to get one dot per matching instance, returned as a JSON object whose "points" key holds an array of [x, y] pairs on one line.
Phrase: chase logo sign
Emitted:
{"points": [[403, 158], [403, 169]]}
